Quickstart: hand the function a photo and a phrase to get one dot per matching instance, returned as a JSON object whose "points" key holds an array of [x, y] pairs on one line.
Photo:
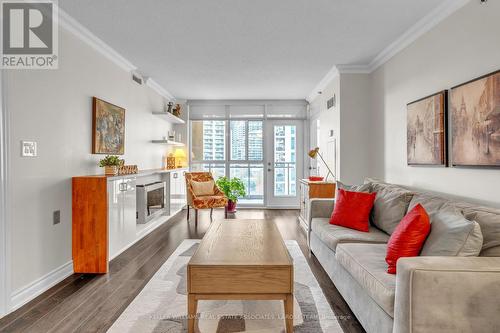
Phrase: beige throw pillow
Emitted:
{"points": [[203, 188], [452, 235]]}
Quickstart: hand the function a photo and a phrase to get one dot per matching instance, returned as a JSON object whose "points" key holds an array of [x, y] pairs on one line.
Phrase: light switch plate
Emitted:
{"points": [[28, 149]]}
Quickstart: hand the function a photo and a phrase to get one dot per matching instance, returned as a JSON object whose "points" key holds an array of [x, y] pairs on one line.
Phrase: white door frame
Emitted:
{"points": [[269, 159], [4, 208]]}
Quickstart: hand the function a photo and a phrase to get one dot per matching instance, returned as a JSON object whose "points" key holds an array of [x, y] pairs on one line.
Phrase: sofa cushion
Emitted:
{"points": [[452, 235], [203, 188], [365, 263], [354, 188], [352, 210], [390, 206], [489, 220], [431, 203], [332, 235], [409, 237]]}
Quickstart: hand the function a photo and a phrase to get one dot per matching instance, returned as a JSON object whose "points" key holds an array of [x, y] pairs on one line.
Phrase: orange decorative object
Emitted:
{"points": [[127, 169], [170, 162]]}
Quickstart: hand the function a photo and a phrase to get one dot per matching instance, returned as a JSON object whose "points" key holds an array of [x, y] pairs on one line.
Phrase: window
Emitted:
{"points": [[246, 163], [208, 140], [285, 141], [255, 141], [238, 140], [245, 152]]}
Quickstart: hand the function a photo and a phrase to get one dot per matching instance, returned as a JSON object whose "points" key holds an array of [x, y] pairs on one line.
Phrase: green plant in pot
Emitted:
{"points": [[234, 189], [110, 164]]}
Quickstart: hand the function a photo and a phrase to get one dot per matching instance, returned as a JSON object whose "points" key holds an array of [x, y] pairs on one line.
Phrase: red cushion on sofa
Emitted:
{"points": [[408, 238], [352, 209]]}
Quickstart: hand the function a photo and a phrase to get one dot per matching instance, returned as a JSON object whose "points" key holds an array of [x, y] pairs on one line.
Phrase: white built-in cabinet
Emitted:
{"points": [[177, 191], [121, 214]]}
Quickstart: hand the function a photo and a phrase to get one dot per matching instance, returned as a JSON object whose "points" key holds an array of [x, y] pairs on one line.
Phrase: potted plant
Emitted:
{"points": [[234, 189], [110, 164]]}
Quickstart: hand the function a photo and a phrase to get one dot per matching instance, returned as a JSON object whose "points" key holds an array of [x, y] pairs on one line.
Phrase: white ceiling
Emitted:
{"points": [[246, 49]]}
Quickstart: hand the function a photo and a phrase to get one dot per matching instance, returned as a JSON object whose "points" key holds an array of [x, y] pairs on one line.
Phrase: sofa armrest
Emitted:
{"points": [[447, 294], [319, 208]]}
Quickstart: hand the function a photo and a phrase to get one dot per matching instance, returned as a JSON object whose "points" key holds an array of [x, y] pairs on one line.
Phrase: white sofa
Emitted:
{"points": [[428, 294]]}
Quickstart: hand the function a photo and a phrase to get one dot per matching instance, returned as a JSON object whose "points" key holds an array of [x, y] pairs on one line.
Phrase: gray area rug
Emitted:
{"points": [[161, 306]]}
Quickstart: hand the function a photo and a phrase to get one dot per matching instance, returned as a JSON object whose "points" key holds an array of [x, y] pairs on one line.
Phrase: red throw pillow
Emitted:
{"points": [[408, 237], [352, 209]]}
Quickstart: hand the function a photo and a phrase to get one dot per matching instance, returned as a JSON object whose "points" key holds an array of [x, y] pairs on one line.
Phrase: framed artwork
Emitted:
{"points": [[426, 130], [108, 128], [475, 118]]}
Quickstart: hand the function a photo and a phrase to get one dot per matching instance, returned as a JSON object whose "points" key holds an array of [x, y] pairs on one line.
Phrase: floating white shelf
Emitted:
{"points": [[169, 142], [170, 117]]}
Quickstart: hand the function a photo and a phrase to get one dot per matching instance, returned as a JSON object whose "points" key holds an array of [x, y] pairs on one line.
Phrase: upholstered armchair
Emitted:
{"points": [[203, 193]]}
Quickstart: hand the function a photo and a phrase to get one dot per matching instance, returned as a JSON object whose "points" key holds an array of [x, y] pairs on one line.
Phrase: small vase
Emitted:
{"points": [[110, 170], [231, 206]]}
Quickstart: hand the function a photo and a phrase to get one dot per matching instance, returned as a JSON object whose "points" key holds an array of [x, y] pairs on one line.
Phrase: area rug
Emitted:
{"points": [[161, 306]]}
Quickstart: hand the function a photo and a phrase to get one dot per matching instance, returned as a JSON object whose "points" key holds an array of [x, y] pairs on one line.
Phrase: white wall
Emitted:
{"points": [[329, 120], [357, 155], [351, 121], [464, 46], [53, 107]]}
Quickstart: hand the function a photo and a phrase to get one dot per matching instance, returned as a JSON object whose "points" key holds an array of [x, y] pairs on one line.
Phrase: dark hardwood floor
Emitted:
{"points": [[91, 303]]}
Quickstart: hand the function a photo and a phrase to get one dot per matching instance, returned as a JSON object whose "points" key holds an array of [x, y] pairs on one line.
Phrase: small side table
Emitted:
{"points": [[311, 190]]}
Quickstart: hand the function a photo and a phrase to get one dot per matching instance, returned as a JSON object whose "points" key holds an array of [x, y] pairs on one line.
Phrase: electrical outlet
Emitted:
{"points": [[28, 149], [56, 217]]}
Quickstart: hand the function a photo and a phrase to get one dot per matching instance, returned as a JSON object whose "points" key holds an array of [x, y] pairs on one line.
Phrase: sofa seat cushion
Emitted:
{"points": [[366, 264], [332, 235]]}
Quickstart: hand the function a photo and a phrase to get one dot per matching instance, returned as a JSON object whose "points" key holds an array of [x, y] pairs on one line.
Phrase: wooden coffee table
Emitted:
{"points": [[241, 260]]}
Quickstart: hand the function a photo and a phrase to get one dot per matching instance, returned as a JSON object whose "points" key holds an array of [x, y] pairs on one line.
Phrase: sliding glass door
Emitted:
{"points": [[284, 162]]}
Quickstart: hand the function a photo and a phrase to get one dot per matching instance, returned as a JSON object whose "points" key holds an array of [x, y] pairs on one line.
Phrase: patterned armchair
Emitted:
{"points": [[216, 199]]}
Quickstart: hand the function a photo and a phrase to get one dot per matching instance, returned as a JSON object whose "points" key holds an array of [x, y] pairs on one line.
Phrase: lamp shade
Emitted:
{"points": [[313, 152], [179, 153]]}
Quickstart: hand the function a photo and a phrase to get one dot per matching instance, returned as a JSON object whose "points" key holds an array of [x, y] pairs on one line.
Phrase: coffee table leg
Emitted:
{"points": [[288, 302], [192, 304]]}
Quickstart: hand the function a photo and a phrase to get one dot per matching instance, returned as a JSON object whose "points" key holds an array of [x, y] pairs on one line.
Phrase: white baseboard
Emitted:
{"points": [[25, 294]]}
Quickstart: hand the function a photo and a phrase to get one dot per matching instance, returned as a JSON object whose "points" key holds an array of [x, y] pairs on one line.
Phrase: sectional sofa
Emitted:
{"points": [[428, 293]]}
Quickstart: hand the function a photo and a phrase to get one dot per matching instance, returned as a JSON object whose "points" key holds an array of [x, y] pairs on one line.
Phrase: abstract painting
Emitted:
{"points": [[426, 130], [475, 117], [108, 128]]}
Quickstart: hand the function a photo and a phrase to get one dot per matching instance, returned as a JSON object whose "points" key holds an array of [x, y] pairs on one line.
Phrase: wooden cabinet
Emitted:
{"points": [[311, 190], [104, 221]]}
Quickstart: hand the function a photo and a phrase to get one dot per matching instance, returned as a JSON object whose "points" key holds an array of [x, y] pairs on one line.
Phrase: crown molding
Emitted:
{"points": [[332, 74], [159, 89], [411, 35], [70, 24], [73, 26], [424, 25], [354, 69]]}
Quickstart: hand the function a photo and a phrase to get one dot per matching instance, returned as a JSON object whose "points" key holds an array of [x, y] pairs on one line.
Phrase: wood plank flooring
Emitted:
{"points": [[91, 303]]}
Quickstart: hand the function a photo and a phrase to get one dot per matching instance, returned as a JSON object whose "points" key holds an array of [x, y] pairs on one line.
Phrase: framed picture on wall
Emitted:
{"points": [[475, 118], [426, 130], [108, 128]]}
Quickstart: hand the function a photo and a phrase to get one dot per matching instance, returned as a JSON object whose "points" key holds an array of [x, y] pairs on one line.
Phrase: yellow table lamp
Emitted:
{"points": [[313, 154], [179, 155]]}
